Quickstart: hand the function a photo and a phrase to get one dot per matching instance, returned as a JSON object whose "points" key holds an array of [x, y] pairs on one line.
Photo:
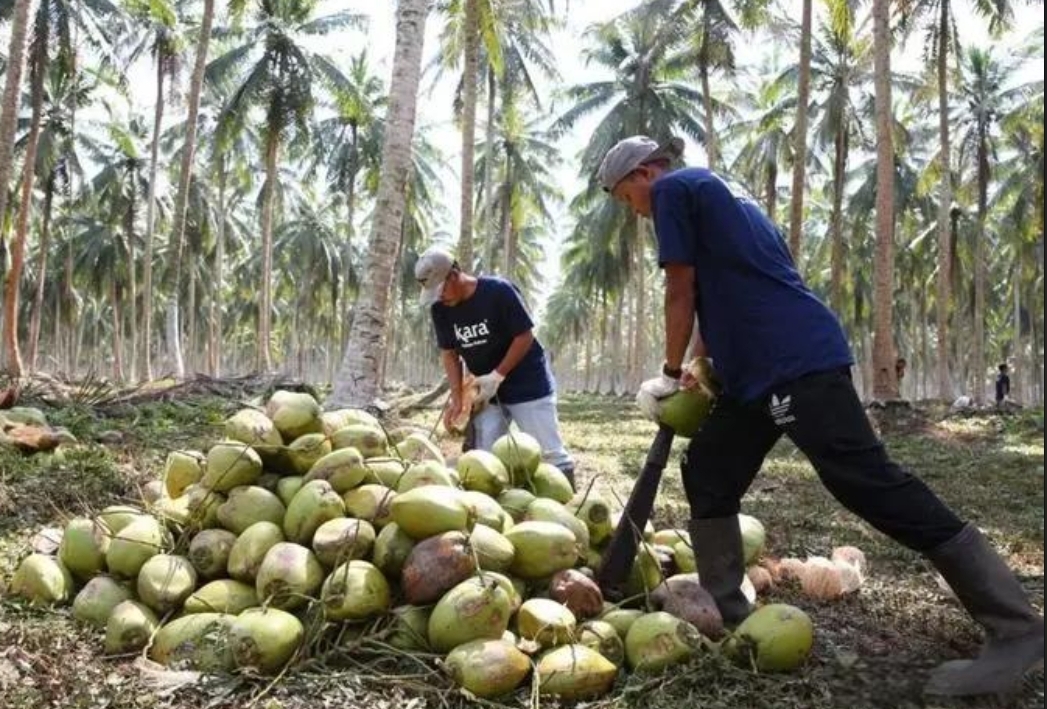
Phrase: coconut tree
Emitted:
{"points": [[358, 378], [647, 93], [803, 93], [271, 69], [986, 98], [937, 20]]}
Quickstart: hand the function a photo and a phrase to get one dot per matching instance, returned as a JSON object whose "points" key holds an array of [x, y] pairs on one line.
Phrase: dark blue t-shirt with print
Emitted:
{"points": [[761, 325], [481, 328]]}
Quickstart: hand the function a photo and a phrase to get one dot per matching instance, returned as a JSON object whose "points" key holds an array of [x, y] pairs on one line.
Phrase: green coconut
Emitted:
{"points": [[172, 511], [265, 639], [289, 574], [385, 471], [596, 513], [657, 640], [250, 549], [371, 441], [410, 628], [83, 547], [370, 502], [646, 571], [482, 471], [436, 565], [343, 539], [685, 411], [549, 481], [515, 588], [97, 599], [305, 451], [129, 628], [392, 546], [116, 517], [545, 621], [43, 580], [209, 552], [520, 453], [133, 545], [26, 416], [341, 418], [231, 464], [754, 538], [487, 668], [683, 555], [287, 487], [222, 596], [344, 469], [165, 581], [544, 509], [602, 637], [199, 641], [430, 510], [774, 638], [423, 473], [257, 430], [355, 590], [294, 414], [542, 549], [671, 537], [493, 550], [314, 504], [486, 511], [621, 619], [515, 501], [575, 672], [202, 505], [247, 505], [474, 609], [416, 447]]}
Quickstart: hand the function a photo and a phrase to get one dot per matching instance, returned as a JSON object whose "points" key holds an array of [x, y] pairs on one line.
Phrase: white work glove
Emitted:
{"points": [[487, 386], [652, 392]]}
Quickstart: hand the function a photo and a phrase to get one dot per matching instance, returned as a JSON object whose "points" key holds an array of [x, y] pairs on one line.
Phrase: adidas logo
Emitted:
{"points": [[780, 409]]}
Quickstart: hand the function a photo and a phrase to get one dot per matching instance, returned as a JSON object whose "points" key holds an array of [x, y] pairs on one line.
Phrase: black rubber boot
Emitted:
{"points": [[717, 545], [989, 591]]}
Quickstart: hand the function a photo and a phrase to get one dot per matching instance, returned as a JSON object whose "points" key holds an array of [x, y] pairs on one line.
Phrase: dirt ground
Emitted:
{"points": [[872, 649]]}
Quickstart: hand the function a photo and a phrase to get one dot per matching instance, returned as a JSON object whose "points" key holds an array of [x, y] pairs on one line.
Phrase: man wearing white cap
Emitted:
{"points": [[784, 365], [483, 321]]}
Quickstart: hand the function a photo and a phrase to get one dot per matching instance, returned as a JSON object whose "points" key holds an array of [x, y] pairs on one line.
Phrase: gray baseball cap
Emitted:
{"points": [[431, 271], [631, 153]]}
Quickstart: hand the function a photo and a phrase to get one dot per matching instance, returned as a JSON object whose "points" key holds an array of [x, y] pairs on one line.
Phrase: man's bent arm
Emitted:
{"points": [[453, 368], [518, 348]]}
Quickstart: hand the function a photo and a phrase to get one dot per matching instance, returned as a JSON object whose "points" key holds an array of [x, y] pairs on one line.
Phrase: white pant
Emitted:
{"points": [[536, 417]]}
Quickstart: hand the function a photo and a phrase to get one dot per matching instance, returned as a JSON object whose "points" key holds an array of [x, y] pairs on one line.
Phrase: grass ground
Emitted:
{"points": [[873, 649]]}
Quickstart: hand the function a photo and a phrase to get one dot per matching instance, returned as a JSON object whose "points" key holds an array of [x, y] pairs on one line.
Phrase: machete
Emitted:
{"points": [[618, 559]]}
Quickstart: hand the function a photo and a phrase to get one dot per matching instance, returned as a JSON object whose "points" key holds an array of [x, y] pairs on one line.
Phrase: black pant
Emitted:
{"points": [[822, 415]]}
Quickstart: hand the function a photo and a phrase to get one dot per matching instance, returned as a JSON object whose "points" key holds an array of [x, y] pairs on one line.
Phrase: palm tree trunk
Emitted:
{"points": [[800, 133], [357, 380], [1016, 347], [150, 224], [639, 351], [885, 383], [712, 148], [470, 68], [196, 83], [925, 350], [770, 192], [41, 276], [980, 267], [118, 337], [508, 247], [191, 340], [488, 218], [132, 279], [215, 319], [944, 203], [263, 359], [13, 279], [836, 220], [9, 111]]}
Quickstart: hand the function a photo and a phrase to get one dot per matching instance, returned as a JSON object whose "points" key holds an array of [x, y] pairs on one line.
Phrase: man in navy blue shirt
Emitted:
{"points": [[483, 321], [784, 365]]}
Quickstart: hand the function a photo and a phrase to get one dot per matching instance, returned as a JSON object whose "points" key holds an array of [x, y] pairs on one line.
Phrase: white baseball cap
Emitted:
{"points": [[631, 153], [431, 271]]}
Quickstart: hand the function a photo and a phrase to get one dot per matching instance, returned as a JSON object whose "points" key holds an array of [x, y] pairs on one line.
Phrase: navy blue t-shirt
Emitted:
{"points": [[481, 328], [761, 325]]}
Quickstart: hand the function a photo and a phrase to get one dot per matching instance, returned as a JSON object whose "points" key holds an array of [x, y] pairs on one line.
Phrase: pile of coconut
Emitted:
{"points": [[303, 529]]}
